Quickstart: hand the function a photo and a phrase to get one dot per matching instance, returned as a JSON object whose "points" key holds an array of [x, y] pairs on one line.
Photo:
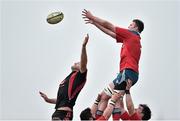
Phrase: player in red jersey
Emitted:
{"points": [[90, 113], [70, 88], [143, 112], [130, 54]]}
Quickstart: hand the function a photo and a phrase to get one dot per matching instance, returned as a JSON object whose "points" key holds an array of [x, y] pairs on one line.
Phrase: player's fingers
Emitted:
{"points": [[85, 10], [40, 93], [84, 17], [88, 22], [87, 19]]}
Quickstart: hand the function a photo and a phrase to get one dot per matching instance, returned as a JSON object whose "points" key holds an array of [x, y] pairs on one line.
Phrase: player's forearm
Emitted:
{"points": [[129, 104], [52, 101], [104, 23], [83, 59], [95, 107], [105, 30], [120, 104]]}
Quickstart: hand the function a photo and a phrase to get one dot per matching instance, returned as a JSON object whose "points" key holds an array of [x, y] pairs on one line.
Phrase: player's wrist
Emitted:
{"points": [[84, 46], [46, 99], [127, 91], [92, 17]]}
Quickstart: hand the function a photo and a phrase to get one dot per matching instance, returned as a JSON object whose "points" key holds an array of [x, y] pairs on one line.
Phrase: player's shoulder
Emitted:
{"points": [[82, 71]]}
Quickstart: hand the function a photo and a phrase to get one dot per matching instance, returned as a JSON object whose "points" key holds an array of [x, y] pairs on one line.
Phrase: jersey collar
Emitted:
{"points": [[135, 32]]}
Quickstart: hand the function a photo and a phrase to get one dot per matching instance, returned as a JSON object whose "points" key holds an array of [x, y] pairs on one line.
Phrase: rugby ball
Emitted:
{"points": [[55, 17]]}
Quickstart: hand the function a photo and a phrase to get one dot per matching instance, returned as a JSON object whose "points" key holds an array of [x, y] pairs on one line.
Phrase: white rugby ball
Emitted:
{"points": [[55, 17]]}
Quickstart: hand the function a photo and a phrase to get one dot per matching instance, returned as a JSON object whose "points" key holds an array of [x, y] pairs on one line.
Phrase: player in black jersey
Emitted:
{"points": [[69, 88]]}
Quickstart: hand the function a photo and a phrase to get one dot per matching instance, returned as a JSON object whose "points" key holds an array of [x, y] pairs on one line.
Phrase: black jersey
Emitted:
{"points": [[70, 88]]}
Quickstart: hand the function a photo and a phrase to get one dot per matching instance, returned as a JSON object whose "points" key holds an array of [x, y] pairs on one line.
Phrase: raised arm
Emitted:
{"points": [[46, 99], [106, 31], [129, 101], [88, 16], [83, 60], [95, 105], [120, 104]]}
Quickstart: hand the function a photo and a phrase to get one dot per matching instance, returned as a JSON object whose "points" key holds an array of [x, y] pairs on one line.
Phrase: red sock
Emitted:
{"points": [[99, 113], [101, 118], [116, 116], [98, 116]]}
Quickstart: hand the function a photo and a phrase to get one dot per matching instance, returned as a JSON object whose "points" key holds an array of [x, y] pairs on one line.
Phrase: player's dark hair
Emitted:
{"points": [[146, 111], [86, 114], [139, 24]]}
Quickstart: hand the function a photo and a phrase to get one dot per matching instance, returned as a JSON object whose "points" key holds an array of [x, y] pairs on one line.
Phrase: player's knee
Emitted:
{"points": [[107, 92], [118, 94], [105, 97]]}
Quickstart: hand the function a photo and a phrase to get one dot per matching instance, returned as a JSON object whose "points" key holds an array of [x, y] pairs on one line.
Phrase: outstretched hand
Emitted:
{"points": [[87, 16], [85, 40], [44, 96]]}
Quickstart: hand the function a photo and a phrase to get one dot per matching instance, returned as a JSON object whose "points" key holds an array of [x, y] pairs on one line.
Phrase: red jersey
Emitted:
{"points": [[131, 49], [125, 116]]}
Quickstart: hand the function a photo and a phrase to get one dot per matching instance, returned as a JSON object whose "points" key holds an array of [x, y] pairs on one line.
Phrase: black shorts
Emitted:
{"points": [[62, 115]]}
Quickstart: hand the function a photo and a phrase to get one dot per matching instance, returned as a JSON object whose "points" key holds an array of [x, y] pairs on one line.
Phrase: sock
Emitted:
{"points": [[116, 114], [101, 118], [99, 113]]}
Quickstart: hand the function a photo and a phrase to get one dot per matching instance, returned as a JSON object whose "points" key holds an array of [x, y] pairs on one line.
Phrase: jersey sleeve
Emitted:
{"points": [[135, 116], [125, 116], [121, 34], [82, 76]]}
